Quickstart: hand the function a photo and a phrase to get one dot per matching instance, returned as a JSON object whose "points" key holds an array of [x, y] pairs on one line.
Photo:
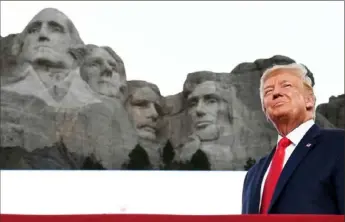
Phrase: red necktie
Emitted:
{"points": [[273, 174]]}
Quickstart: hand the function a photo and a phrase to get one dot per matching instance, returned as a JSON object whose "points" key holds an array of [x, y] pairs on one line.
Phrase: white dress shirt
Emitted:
{"points": [[295, 137]]}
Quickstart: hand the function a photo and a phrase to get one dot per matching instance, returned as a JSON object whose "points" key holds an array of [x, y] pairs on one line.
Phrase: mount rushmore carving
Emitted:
{"points": [[68, 105]]}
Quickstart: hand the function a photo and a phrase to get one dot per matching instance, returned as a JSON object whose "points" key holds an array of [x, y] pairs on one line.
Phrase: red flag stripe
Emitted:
{"points": [[169, 218]]}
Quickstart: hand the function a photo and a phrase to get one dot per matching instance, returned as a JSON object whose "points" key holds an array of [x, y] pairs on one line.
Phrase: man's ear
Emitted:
{"points": [[310, 101], [78, 53], [16, 46]]}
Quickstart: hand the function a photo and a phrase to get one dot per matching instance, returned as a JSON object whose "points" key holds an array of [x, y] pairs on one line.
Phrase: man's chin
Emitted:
{"points": [[46, 58], [208, 133], [280, 114], [146, 135], [109, 91]]}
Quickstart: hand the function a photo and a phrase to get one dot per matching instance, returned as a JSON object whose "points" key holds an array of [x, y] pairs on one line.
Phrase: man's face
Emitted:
{"points": [[144, 109], [285, 95], [207, 109], [47, 37], [100, 68]]}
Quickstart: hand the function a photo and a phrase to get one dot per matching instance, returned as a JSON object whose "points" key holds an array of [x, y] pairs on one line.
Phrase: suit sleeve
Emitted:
{"points": [[339, 183], [244, 211]]}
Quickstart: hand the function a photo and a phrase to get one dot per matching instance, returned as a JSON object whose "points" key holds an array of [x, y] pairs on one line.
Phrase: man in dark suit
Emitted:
{"points": [[304, 173]]}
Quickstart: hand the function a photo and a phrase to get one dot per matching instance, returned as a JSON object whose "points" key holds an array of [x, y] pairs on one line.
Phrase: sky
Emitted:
{"points": [[161, 42]]}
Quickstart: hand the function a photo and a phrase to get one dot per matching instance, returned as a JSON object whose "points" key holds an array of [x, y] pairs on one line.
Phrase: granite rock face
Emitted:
{"points": [[67, 105], [334, 110], [146, 108], [219, 142], [8, 60], [45, 100], [250, 135]]}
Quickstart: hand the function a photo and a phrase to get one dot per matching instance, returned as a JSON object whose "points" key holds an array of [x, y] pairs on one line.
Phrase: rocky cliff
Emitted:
{"points": [[60, 109], [333, 111]]}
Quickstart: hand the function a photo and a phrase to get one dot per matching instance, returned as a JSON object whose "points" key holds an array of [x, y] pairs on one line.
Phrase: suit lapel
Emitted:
{"points": [[302, 149], [256, 187]]}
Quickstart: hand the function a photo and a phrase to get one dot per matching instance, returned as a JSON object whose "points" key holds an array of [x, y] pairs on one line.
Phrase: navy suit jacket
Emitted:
{"points": [[312, 181]]}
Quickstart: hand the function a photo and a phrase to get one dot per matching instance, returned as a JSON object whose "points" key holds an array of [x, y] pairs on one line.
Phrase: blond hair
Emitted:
{"points": [[297, 69]]}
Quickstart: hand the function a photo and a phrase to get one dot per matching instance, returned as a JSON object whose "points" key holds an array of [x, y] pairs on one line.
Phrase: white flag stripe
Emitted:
{"points": [[132, 192]]}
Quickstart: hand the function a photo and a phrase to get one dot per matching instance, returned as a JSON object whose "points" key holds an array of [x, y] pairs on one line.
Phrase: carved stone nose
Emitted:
{"points": [[107, 72], [43, 38]]}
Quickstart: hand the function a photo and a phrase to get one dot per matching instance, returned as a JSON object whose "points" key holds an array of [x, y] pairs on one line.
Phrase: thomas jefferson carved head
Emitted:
{"points": [[104, 71]]}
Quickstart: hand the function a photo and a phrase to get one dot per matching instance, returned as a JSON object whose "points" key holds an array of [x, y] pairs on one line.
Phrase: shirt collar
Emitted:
{"points": [[298, 133]]}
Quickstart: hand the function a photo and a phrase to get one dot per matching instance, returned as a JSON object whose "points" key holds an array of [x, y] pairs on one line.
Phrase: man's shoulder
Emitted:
{"points": [[330, 142], [253, 170], [334, 134]]}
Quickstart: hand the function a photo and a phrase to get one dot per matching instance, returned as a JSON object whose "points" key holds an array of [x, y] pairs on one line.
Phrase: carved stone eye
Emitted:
{"points": [[192, 102], [95, 64], [211, 100], [56, 29], [33, 29], [140, 103]]}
